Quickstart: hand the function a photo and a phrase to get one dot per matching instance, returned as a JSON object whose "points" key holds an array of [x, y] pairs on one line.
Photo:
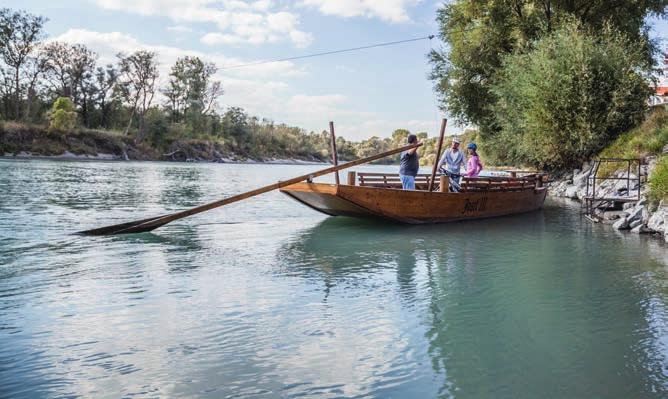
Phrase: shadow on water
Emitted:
{"points": [[542, 294], [345, 246]]}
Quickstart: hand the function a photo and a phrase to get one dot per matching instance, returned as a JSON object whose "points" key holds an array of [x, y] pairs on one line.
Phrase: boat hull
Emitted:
{"points": [[415, 207]]}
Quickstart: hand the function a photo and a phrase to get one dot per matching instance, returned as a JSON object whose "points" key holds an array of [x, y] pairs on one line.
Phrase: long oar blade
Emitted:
{"points": [[144, 225], [114, 229]]}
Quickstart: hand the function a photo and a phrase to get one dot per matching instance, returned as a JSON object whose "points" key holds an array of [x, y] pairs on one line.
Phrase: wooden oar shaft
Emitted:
{"points": [[149, 224], [444, 122]]}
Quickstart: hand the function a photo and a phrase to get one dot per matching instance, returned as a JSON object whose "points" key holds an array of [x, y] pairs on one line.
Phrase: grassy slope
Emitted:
{"points": [[648, 139], [35, 139]]}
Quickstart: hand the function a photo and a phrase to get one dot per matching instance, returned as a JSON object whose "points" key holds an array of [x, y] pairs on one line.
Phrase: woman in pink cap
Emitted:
{"points": [[473, 166]]}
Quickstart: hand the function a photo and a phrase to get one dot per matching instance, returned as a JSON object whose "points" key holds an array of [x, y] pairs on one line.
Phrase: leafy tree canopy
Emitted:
{"points": [[572, 95], [479, 34]]}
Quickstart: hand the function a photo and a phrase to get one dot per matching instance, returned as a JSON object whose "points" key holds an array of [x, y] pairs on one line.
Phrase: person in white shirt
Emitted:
{"points": [[453, 158]]}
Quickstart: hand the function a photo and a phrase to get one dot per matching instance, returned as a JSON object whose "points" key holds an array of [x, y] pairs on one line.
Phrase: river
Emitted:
{"points": [[266, 298]]}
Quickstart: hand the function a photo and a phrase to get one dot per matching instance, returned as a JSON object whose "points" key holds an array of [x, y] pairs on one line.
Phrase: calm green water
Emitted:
{"points": [[266, 298]]}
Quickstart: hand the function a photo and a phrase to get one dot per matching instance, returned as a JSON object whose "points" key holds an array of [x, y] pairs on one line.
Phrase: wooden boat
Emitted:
{"points": [[380, 195]]}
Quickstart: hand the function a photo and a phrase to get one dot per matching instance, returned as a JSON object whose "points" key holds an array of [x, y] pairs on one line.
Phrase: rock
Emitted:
{"points": [[571, 192], [613, 215], [635, 224], [621, 224], [635, 214], [657, 221], [628, 205], [580, 180], [641, 229]]}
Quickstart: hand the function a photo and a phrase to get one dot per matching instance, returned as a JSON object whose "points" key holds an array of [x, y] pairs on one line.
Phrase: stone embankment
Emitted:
{"points": [[641, 217]]}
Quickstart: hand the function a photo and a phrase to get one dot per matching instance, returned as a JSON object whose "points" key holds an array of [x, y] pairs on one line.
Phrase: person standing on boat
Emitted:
{"points": [[453, 158], [474, 166], [409, 165]]}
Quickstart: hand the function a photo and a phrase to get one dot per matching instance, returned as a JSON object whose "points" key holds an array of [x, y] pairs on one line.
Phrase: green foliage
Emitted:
{"points": [[157, 126], [658, 181], [647, 139], [480, 34], [20, 34], [564, 101], [63, 116], [191, 92]]}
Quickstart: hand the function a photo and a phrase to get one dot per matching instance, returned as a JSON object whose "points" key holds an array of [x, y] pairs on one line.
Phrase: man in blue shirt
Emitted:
{"points": [[409, 165]]}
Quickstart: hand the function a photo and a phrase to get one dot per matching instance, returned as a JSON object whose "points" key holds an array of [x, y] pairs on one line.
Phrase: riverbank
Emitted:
{"points": [[21, 141], [643, 216], [69, 156]]}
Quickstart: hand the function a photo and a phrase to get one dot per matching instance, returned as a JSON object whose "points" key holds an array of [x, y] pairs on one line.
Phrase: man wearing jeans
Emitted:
{"points": [[409, 165]]}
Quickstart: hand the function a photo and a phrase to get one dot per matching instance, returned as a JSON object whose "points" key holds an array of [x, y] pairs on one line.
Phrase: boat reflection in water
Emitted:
{"points": [[506, 307]]}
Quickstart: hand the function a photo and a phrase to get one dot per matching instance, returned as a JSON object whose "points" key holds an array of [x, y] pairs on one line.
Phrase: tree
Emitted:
{"points": [[481, 33], [70, 69], [399, 136], [564, 101], [235, 123], [191, 92], [105, 93], [33, 70], [6, 90], [20, 33], [138, 73], [63, 116]]}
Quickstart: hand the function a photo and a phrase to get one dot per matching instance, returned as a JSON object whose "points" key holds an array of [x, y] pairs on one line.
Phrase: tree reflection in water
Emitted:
{"points": [[531, 305]]}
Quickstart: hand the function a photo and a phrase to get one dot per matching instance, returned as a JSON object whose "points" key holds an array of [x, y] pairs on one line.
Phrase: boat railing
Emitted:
{"points": [[483, 183]]}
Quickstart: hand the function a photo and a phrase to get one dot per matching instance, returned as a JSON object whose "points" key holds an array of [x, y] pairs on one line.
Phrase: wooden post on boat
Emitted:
{"points": [[335, 157], [444, 122], [445, 184], [352, 176]]}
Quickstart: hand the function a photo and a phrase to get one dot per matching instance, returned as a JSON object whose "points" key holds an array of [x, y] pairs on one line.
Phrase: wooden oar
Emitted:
{"points": [[140, 226], [444, 122]]}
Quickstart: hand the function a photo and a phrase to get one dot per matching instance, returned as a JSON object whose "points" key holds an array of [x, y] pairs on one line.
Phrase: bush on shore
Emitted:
{"points": [[63, 115], [563, 102], [658, 181], [646, 140]]}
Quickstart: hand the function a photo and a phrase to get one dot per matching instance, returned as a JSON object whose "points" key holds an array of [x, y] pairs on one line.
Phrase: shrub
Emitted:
{"points": [[647, 139], [568, 98], [63, 116], [658, 181]]}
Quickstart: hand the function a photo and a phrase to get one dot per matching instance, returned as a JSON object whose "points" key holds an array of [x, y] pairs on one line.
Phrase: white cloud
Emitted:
{"points": [[108, 44], [254, 22], [388, 10], [180, 29]]}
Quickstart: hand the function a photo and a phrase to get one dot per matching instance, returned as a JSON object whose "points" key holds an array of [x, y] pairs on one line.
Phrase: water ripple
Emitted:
{"points": [[267, 299]]}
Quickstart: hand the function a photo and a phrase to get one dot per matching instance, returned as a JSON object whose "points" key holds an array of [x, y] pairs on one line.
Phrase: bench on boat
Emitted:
{"points": [[391, 180], [486, 183]]}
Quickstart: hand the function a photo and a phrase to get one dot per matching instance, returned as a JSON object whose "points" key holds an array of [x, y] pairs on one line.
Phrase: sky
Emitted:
{"points": [[366, 93]]}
